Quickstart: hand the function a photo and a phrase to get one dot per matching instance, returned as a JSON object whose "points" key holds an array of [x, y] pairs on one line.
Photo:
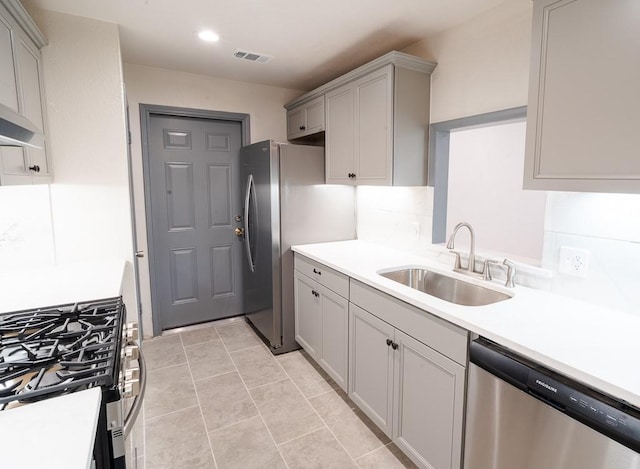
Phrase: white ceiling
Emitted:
{"points": [[311, 41]]}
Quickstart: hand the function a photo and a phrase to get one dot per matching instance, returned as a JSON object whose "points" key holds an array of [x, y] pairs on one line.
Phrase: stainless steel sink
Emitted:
{"points": [[446, 288]]}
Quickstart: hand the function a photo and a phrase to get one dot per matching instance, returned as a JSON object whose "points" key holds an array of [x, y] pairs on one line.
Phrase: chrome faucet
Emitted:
{"points": [[472, 250]]}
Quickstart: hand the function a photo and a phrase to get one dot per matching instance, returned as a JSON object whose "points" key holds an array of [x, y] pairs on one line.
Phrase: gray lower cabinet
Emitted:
{"points": [[403, 367], [307, 312], [371, 367], [428, 404], [321, 324], [412, 391]]}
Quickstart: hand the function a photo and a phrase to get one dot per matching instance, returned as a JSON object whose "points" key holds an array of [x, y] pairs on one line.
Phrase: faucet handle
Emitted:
{"points": [[458, 264], [511, 272], [486, 268]]}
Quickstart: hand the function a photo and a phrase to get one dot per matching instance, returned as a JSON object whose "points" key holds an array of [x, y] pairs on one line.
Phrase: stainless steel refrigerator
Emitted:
{"points": [[285, 202]]}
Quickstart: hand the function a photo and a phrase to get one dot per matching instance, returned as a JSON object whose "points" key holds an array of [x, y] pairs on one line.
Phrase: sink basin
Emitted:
{"points": [[446, 288]]}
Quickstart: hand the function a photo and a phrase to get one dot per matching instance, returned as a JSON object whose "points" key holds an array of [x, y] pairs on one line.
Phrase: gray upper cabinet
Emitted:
{"points": [[359, 140], [306, 119], [8, 85], [583, 120], [22, 89], [376, 122]]}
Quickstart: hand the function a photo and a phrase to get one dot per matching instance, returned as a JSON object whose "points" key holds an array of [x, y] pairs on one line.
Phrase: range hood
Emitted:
{"points": [[17, 130]]}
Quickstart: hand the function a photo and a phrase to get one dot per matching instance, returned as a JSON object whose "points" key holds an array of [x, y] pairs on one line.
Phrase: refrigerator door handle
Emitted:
{"points": [[247, 200]]}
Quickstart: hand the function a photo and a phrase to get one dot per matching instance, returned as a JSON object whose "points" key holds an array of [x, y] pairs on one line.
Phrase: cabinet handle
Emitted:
{"points": [[317, 272], [302, 127], [315, 293], [394, 346], [35, 168], [351, 175], [389, 342]]}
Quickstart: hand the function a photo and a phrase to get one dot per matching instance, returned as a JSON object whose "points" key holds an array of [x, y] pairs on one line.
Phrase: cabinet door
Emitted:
{"points": [[295, 122], [374, 128], [307, 308], [371, 366], [32, 107], [339, 137], [334, 333], [314, 115], [13, 166], [582, 119], [8, 87], [428, 405]]}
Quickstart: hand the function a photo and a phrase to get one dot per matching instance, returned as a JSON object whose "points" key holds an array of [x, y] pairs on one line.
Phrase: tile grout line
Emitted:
{"points": [[269, 383], [320, 393], [199, 380], [319, 416], [169, 366], [257, 408], [224, 427], [152, 419], [303, 435], [195, 390], [374, 450]]}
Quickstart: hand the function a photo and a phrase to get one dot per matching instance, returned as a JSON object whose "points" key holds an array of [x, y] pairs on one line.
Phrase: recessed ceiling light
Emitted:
{"points": [[208, 36]]}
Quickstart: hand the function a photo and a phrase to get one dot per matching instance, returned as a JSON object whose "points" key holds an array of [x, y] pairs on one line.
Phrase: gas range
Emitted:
{"points": [[57, 350]]}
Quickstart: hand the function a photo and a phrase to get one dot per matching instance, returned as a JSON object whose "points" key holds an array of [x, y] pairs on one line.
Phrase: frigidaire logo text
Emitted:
{"points": [[546, 386]]}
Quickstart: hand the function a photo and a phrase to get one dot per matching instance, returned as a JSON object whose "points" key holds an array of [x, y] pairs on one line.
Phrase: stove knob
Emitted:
{"points": [[132, 373], [131, 331], [132, 352], [131, 388]]}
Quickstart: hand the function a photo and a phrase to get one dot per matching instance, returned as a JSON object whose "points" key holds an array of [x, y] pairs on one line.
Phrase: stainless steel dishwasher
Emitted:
{"points": [[523, 416]]}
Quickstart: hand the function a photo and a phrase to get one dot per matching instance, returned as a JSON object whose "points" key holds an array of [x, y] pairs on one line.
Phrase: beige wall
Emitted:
{"points": [[90, 207], [483, 64], [148, 85]]}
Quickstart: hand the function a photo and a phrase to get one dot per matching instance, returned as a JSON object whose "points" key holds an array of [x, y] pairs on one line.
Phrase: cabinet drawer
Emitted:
{"points": [[325, 276], [438, 334]]}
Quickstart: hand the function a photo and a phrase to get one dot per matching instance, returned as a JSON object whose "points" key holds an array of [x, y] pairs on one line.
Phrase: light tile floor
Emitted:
{"points": [[217, 398]]}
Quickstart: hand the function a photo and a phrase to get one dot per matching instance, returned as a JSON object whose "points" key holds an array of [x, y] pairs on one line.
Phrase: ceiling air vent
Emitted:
{"points": [[252, 56]]}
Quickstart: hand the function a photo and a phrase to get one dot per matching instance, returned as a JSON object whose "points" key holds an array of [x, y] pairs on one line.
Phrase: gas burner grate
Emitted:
{"points": [[50, 351]]}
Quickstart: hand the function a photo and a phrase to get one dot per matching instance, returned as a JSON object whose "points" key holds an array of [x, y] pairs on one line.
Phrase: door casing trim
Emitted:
{"points": [[146, 111]]}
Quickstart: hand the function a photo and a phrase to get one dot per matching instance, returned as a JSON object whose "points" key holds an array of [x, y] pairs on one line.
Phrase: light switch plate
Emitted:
{"points": [[573, 261]]}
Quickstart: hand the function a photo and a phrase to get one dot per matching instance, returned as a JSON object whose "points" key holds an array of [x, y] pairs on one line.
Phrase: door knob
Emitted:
{"points": [[239, 231]]}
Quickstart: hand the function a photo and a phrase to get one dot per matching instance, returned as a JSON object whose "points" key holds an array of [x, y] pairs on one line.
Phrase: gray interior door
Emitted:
{"points": [[194, 187]]}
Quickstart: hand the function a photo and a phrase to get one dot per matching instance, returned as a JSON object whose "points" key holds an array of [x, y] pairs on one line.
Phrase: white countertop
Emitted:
{"points": [[69, 283], [34, 436], [594, 345]]}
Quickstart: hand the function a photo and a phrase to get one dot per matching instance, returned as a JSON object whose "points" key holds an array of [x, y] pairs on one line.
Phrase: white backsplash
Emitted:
{"points": [[26, 233], [608, 227], [397, 217]]}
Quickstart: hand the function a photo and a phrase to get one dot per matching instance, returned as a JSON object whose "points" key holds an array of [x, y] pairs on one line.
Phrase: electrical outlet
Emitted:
{"points": [[573, 261]]}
